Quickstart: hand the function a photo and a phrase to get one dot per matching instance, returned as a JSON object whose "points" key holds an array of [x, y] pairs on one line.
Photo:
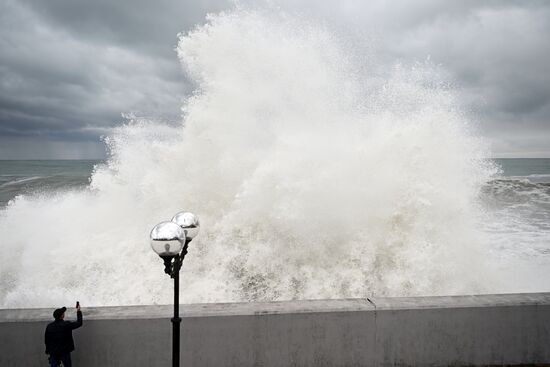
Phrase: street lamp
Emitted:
{"points": [[170, 240]]}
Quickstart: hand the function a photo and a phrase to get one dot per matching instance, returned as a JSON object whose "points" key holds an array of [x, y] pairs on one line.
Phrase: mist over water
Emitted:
{"points": [[312, 179]]}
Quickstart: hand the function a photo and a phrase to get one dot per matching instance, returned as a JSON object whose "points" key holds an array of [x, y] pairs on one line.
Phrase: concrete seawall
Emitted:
{"points": [[430, 331]]}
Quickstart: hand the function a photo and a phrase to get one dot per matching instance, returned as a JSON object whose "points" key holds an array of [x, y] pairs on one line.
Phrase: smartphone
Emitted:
{"points": [[77, 304]]}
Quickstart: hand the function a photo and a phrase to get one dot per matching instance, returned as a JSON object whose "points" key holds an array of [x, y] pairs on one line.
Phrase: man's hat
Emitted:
{"points": [[59, 312]]}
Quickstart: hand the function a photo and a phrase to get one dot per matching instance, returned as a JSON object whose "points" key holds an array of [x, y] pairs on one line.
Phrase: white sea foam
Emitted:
{"points": [[311, 179], [19, 181]]}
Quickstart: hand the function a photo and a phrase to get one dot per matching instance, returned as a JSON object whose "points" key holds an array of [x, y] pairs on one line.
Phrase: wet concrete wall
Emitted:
{"points": [[463, 330]]}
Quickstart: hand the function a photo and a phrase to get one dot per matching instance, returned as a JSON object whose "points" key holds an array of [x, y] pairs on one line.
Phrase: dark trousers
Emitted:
{"points": [[57, 360]]}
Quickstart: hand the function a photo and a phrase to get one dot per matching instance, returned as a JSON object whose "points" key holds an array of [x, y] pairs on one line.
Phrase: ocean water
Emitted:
{"points": [[42, 177], [314, 174], [517, 204], [525, 178]]}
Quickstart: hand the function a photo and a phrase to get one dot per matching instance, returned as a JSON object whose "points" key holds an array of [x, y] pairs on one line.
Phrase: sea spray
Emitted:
{"points": [[312, 179]]}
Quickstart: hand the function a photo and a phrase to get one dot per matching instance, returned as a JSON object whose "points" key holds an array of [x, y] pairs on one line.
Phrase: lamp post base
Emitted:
{"points": [[176, 321]]}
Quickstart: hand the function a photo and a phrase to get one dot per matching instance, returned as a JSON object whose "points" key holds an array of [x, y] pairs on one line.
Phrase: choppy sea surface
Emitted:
{"points": [[40, 177], [518, 209], [516, 202], [523, 185]]}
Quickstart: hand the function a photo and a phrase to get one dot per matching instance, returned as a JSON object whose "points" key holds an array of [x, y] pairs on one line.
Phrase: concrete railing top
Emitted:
{"points": [[193, 310], [283, 307], [483, 300]]}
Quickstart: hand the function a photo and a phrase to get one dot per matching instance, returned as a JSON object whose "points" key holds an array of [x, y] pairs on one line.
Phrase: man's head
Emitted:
{"points": [[59, 313]]}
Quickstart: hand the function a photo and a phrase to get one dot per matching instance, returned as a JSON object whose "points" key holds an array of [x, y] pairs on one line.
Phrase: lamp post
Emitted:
{"points": [[170, 240]]}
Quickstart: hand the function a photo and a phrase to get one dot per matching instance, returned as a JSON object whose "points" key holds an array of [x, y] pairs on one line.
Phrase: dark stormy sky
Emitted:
{"points": [[69, 69]]}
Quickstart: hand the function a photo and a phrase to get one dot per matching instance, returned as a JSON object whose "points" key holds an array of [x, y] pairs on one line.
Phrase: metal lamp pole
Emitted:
{"points": [[172, 266], [170, 241]]}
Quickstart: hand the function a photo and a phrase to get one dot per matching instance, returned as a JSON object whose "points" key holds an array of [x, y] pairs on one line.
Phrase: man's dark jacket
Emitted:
{"points": [[59, 336]]}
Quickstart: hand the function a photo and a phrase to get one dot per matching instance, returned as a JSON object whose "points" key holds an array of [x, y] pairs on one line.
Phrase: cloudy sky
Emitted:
{"points": [[69, 69]]}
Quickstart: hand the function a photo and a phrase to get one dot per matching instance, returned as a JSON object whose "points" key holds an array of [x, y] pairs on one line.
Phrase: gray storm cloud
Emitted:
{"points": [[68, 69]]}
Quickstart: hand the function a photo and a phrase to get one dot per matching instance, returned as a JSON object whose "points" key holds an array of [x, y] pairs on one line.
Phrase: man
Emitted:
{"points": [[59, 337]]}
